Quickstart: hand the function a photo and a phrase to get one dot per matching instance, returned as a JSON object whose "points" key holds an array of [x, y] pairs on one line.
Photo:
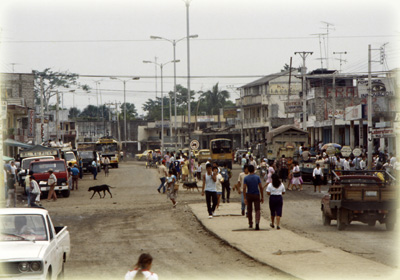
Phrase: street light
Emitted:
{"points": [[124, 81], [162, 97], [174, 42]]}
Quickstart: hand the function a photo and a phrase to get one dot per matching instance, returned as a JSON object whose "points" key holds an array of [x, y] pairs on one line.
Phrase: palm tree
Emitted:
{"points": [[214, 99]]}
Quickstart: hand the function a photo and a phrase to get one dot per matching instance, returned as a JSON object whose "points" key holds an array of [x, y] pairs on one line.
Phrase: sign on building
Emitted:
{"points": [[230, 113], [354, 113], [31, 123], [294, 106], [4, 110], [383, 132]]}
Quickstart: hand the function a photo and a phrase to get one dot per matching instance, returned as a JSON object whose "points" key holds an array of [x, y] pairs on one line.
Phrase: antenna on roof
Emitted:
{"points": [[328, 28]]}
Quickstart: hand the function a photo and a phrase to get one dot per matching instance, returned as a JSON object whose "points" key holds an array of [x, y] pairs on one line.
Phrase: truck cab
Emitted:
{"points": [[24, 168], [40, 170]]}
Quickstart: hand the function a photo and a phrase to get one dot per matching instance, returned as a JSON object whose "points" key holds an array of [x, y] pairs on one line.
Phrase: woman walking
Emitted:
{"points": [[185, 169], [52, 183], [271, 171], [142, 269], [171, 191], [318, 175], [275, 190], [296, 181]]}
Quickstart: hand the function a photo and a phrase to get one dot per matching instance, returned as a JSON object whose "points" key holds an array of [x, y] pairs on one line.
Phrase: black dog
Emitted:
{"points": [[191, 185], [100, 188]]}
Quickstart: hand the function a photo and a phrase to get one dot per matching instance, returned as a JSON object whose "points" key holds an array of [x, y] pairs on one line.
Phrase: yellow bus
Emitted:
{"points": [[221, 151], [108, 147]]}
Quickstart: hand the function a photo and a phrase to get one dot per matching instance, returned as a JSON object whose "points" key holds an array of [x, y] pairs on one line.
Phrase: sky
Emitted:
{"points": [[238, 41]]}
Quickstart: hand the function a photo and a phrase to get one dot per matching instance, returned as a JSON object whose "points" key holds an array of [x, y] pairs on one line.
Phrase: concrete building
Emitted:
{"points": [[267, 104]]}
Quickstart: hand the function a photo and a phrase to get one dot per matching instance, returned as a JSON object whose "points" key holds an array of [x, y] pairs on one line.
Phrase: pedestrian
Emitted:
{"points": [[198, 171], [27, 186], [142, 269], [210, 189], [252, 161], [239, 186], [69, 175], [177, 166], [162, 173], [121, 154], [226, 188], [305, 155], [167, 160], [185, 169], [218, 185], [283, 168], [296, 177], [346, 164], [106, 166], [172, 188], [252, 187], [80, 163], [275, 190], [14, 169], [75, 177], [34, 192], [11, 184], [243, 161], [271, 171], [318, 176], [94, 169], [52, 181]]}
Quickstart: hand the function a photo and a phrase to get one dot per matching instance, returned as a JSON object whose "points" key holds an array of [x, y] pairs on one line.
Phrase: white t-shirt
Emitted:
{"points": [[52, 179], [218, 182], [199, 168], [346, 165], [147, 275], [13, 169], [275, 191], [317, 172]]}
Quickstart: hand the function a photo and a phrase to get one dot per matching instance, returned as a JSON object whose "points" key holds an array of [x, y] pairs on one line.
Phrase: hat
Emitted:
{"points": [[75, 165], [50, 170]]}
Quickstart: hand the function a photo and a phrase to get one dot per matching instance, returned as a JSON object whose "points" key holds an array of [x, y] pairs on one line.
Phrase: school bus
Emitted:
{"points": [[221, 151], [108, 147]]}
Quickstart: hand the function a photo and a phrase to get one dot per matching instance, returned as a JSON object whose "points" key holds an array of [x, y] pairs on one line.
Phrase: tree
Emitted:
{"points": [[53, 81], [73, 113], [131, 112], [90, 112], [214, 100]]}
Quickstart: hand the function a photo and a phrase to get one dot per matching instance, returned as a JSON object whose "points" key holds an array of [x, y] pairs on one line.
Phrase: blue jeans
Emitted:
{"points": [[243, 205], [162, 185], [28, 195]]}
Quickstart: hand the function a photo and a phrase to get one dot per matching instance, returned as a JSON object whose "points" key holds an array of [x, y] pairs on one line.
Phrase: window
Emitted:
{"points": [[51, 229]]}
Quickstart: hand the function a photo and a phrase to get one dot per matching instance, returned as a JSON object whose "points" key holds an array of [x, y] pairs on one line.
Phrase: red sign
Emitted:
{"points": [[31, 123], [342, 91]]}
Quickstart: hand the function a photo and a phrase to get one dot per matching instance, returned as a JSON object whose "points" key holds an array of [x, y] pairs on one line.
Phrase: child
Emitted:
{"points": [[198, 171], [171, 191], [218, 184]]}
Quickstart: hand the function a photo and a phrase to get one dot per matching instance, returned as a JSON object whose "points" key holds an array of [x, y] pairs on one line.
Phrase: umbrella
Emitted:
{"points": [[6, 158], [337, 146]]}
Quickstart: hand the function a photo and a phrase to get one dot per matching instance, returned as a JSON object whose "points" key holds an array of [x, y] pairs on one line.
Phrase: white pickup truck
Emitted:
{"points": [[30, 246]]}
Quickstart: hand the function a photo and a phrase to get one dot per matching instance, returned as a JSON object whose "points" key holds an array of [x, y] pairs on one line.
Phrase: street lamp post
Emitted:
{"points": [[162, 97], [124, 82], [174, 42]]}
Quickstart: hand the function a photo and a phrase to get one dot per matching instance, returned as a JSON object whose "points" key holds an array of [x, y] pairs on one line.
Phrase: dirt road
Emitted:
{"points": [[108, 235]]}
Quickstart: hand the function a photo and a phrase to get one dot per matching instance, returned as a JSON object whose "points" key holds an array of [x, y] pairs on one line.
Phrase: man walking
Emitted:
{"points": [[239, 186], [162, 172], [75, 177], [52, 181], [226, 175], [210, 188], [252, 187], [94, 169]]}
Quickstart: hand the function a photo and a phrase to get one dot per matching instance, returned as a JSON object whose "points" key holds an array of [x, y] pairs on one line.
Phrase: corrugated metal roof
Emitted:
{"points": [[266, 79]]}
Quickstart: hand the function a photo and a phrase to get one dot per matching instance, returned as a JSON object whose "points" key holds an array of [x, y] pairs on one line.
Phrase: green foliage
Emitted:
{"points": [[131, 112], [73, 113], [53, 81], [212, 100]]}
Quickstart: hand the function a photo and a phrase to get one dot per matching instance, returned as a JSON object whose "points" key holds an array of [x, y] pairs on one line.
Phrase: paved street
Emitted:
{"points": [[107, 235]]}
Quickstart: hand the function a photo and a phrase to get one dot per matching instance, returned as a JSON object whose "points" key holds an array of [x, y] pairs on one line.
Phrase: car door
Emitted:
{"points": [[55, 252]]}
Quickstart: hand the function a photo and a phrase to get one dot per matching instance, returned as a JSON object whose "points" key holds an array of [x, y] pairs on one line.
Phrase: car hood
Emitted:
{"points": [[13, 250]]}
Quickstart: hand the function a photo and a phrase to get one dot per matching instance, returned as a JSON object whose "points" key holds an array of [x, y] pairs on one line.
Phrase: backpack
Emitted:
{"points": [[225, 174]]}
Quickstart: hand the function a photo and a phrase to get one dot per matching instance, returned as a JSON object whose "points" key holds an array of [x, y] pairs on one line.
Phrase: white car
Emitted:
{"points": [[30, 246]]}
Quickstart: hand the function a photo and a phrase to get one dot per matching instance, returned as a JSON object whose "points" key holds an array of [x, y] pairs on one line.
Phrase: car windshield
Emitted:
{"points": [[221, 146], [42, 167], [22, 227], [107, 148], [69, 156], [27, 161], [86, 154]]}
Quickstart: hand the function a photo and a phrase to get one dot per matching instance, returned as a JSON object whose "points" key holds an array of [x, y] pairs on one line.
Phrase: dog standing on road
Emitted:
{"points": [[98, 189]]}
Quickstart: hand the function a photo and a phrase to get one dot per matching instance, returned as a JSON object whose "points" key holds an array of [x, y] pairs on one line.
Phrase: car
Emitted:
{"points": [[143, 156], [24, 170], [40, 169], [70, 158], [360, 196], [30, 246], [87, 159], [204, 156]]}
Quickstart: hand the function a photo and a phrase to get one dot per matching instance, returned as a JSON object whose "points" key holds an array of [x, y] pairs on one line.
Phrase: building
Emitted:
{"points": [[267, 103]]}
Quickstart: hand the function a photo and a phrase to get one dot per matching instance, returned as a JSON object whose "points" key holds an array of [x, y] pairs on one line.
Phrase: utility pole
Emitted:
{"points": [[369, 110], [57, 115], [41, 109], [333, 106], [290, 79], [304, 55]]}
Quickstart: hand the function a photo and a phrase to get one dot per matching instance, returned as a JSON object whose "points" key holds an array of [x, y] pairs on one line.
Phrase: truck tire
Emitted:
{"points": [[116, 166], [326, 220], [341, 224], [66, 193], [371, 223]]}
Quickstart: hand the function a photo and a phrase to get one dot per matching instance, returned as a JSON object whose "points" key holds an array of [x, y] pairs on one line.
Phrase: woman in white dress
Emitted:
{"points": [[296, 180]]}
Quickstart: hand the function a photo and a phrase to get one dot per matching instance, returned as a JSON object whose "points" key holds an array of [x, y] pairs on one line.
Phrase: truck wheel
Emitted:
{"points": [[340, 221], [371, 223], [116, 166], [66, 193], [326, 220]]}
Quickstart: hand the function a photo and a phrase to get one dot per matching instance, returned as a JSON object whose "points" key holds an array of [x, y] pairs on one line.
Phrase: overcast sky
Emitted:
{"points": [[237, 38]]}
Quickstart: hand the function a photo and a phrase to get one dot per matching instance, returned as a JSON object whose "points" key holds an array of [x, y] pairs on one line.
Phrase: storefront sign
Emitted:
{"points": [[354, 113], [230, 113], [31, 115], [383, 132], [294, 106], [346, 151]]}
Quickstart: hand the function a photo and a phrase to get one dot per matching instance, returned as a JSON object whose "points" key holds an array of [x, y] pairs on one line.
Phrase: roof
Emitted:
{"points": [[20, 211], [12, 142], [38, 150], [266, 79], [282, 129]]}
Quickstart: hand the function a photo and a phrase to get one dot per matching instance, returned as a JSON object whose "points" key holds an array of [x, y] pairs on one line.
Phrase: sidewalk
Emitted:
{"points": [[286, 251]]}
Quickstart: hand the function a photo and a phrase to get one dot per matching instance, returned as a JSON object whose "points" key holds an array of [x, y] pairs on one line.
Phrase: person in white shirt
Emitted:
{"points": [[275, 190], [143, 267], [218, 184], [239, 186], [198, 171], [209, 189], [318, 176], [363, 163], [346, 164]]}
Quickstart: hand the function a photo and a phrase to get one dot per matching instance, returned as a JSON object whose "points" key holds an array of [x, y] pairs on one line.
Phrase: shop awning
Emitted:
{"points": [[13, 143]]}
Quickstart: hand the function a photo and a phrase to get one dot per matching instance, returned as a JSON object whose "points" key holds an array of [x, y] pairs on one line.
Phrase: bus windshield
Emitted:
{"points": [[43, 167], [221, 146], [108, 148], [69, 156]]}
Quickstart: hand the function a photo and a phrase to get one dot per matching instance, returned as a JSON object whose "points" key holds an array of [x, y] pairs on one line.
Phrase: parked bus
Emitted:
{"points": [[108, 147], [221, 151]]}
